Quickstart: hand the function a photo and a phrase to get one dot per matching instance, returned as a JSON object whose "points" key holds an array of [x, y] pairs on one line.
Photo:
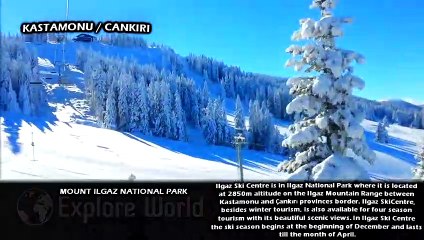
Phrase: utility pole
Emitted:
{"points": [[239, 141]]}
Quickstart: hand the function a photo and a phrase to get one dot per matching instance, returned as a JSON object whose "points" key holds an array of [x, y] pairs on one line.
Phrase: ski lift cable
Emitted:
{"points": [[64, 36]]}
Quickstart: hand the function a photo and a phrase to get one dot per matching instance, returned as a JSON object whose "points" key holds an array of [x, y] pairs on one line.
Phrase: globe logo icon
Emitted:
{"points": [[35, 207]]}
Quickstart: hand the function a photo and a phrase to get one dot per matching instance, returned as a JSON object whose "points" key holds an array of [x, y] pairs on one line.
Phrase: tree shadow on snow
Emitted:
{"points": [[13, 122], [253, 160], [396, 147], [132, 136]]}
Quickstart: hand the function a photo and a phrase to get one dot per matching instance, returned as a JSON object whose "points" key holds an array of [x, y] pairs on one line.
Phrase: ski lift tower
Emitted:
{"points": [[239, 142], [63, 38]]}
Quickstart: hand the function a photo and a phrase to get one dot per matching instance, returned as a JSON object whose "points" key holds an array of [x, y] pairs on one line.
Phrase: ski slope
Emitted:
{"points": [[69, 145]]}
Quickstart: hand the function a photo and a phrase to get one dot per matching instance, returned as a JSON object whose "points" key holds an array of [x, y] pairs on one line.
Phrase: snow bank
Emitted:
{"points": [[340, 168]]}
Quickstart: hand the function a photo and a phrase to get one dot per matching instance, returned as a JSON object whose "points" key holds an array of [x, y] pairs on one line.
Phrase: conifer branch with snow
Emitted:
{"points": [[419, 169], [328, 129]]}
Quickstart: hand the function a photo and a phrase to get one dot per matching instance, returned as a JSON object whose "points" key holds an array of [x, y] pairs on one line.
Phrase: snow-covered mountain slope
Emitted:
{"points": [[69, 145], [75, 151], [396, 158]]}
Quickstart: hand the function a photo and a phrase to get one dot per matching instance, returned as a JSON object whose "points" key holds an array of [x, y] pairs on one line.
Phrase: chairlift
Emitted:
{"points": [[60, 38], [36, 83], [63, 68], [239, 131]]}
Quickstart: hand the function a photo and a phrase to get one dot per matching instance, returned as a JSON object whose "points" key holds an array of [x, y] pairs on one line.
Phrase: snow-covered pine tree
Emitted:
{"points": [[267, 125], [230, 86], [144, 108], [260, 126], [24, 98], [205, 95], [229, 135], [181, 130], [156, 111], [195, 112], [395, 116], [124, 104], [381, 134], [13, 102], [239, 116], [278, 110], [221, 121], [111, 112], [386, 122], [8, 98], [135, 108], [416, 123], [270, 99], [223, 93], [214, 69], [214, 124], [139, 114], [5, 85], [275, 139], [419, 169], [208, 123], [99, 91], [167, 110], [174, 129], [205, 75], [329, 125]]}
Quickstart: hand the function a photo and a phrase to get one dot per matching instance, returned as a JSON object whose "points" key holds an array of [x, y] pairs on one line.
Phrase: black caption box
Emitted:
{"points": [[189, 210]]}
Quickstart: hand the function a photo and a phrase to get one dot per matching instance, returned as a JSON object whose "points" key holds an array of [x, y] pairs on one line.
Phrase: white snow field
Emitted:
{"points": [[68, 145]]}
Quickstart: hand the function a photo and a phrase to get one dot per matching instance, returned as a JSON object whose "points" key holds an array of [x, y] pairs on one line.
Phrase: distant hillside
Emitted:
{"points": [[401, 104]]}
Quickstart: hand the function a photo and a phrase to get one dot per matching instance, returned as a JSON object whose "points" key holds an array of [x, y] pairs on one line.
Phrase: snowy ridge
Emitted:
{"points": [[406, 104]]}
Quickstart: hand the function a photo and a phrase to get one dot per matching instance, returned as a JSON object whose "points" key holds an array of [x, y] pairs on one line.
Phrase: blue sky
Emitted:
{"points": [[254, 34]]}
